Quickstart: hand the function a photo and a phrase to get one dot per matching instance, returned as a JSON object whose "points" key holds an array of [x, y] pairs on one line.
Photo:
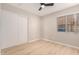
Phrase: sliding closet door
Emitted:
{"points": [[9, 29], [14, 29], [22, 29], [34, 28]]}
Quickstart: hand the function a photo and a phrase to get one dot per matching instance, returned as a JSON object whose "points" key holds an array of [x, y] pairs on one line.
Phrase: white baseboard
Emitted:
{"points": [[33, 40], [67, 45]]}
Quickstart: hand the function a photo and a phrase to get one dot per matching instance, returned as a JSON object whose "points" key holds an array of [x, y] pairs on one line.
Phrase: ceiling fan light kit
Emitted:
{"points": [[43, 6]]}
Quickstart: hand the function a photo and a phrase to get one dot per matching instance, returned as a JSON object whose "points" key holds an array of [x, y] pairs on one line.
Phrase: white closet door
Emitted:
{"points": [[22, 29], [34, 28], [9, 29], [13, 29]]}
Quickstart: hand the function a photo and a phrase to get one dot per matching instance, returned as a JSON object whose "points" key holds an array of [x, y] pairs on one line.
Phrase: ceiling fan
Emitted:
{"points": [[45, 4]]}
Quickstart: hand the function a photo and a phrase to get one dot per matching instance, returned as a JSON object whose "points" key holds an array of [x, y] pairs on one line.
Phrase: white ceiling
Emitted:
{"points": [[33, 7]]}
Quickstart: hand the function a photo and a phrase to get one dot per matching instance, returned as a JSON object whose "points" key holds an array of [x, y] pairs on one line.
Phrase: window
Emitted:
{"points": [[68, 23], [61, 23], [77, 21]]}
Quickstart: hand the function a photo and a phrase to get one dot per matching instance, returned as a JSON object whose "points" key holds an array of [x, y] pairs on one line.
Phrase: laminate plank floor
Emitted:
{"points": [[40, 47]]}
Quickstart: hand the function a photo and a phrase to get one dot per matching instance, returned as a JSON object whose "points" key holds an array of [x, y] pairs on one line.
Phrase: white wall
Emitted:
{"points": [[50, 28], [15, 27], [0, 29]]}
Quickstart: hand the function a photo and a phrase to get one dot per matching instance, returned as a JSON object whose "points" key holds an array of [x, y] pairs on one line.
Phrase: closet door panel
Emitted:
{"points": [[13, 29], [34, 28], [22, 29]]}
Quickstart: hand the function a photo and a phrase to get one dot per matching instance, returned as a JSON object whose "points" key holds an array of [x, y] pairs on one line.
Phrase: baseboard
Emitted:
{"points": [[33, 40], [67, 45]]}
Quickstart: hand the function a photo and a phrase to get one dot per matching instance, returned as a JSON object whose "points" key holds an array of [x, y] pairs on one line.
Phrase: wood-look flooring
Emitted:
{"points": [[40, 47]]}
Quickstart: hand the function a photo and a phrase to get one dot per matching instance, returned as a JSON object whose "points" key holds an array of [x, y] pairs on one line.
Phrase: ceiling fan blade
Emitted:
{"points": [[40, 8], [42, 3], [49, 4]]}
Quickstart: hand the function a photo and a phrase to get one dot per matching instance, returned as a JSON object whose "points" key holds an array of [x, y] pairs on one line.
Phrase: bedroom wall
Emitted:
{"points": [[0, 29], [50, 28], [15, 28]]}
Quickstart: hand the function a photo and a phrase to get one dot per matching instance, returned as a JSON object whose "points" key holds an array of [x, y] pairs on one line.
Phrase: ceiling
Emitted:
{"points": [[33, 7]]}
